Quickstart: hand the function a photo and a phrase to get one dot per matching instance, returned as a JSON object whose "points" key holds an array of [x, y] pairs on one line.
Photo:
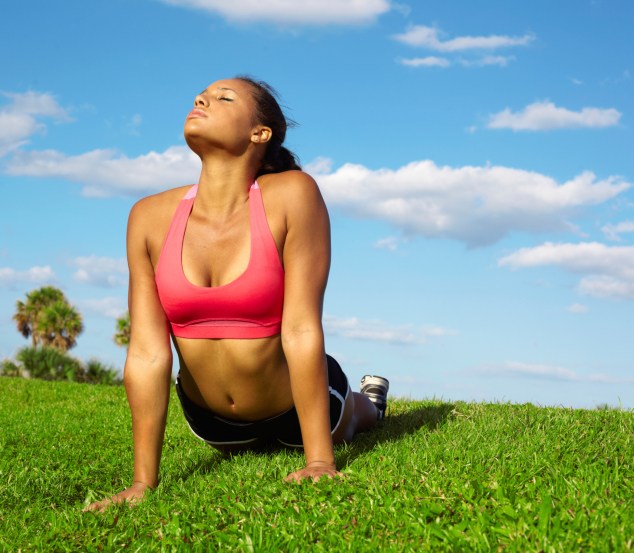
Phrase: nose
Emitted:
{"points": [[200, 101]]}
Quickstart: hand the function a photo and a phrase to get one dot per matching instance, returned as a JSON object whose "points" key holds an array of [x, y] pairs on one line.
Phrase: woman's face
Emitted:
{"points": [[223, 117]]}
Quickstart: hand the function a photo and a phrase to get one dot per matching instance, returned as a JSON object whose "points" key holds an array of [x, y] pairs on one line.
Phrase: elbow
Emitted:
{"points": [[302, 337], [146, 363]]}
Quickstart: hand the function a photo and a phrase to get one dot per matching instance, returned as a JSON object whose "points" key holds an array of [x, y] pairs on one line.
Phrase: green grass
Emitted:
{"points": [[435, 476]]}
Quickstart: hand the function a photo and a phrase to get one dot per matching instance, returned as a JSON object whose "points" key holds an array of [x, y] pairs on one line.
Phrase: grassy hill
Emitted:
{"points": [[435, 476]]}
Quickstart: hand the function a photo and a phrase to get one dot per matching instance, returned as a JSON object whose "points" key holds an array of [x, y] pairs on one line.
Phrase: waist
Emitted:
{"points": [[236, 379]]}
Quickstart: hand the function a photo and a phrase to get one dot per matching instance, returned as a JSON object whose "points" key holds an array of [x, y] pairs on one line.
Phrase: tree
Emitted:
{"points": [[28, 313], [122, 336], [59, 325], [48, 318]]}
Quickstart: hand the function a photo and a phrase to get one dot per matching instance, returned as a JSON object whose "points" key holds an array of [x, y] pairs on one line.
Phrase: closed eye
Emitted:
{"points": [[226, 99]]}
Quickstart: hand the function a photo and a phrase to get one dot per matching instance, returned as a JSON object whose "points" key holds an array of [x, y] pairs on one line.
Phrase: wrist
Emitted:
{"points": [[141, 484], [147, 478], [318, 463]]}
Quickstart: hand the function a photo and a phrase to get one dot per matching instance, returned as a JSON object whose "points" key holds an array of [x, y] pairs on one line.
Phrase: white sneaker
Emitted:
{"points": [[375, 389]]}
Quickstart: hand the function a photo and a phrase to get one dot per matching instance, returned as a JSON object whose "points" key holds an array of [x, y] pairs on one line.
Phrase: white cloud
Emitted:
{"points": [[36, 104], [603, 286], [107, 272], [625, 76], [39, 275], [106, 173], [579, 258], [608, 271], [306, 12], [613, 232], [549, 372], [501, 61], [109, 307], [429, 61], [435, 61], [546, 116], [578, 308], [20, 118], [429, 37], [135, 124], [438, 331], [319, 166], [476, 205], [390, 243], [378, 331]]}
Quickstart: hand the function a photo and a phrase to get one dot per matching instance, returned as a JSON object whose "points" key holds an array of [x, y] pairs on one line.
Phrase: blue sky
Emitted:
{"points": [[476, 159]]}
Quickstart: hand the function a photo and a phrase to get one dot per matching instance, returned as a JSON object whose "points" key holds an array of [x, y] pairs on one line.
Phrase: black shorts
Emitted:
{"points": [[283, 428]]}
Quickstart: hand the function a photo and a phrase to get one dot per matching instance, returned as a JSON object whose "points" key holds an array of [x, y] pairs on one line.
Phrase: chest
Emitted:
{"points": [[213, 253]]}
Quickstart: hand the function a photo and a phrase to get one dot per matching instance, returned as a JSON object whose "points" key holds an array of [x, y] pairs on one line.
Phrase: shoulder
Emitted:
{"points": [[291, 190], [149, 221], [157, 206], [292, 181], [297, 202]]}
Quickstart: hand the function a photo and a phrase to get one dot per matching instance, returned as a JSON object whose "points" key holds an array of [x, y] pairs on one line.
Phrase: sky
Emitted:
{"points": [[475, 157]]}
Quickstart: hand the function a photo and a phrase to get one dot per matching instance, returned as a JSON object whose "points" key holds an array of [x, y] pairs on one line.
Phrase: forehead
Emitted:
{"points": [[238, 86]]}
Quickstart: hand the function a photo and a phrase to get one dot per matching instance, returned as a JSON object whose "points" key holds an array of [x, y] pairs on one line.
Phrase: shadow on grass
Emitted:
{"points": [[393, 428]]}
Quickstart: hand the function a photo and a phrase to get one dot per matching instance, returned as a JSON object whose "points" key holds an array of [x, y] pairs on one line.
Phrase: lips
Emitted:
{"points": [[196, 113]]}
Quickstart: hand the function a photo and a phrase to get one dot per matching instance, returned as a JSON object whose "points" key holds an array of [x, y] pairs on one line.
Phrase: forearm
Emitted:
{"points": [[147, 387], [309, 382]]}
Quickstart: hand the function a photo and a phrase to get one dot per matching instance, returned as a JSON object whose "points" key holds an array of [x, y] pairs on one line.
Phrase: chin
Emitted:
{"points": [[196, 143]]}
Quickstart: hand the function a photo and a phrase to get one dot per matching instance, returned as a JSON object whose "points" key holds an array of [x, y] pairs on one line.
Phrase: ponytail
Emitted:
{"points": [[277, 158]]}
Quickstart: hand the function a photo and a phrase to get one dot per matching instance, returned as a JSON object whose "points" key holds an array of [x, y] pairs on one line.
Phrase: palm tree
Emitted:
{"points": [[59, 325], [122, 336], [28, 313]]}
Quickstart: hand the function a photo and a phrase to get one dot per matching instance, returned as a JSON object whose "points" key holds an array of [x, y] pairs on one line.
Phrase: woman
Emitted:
{"points": [[235, 270]]}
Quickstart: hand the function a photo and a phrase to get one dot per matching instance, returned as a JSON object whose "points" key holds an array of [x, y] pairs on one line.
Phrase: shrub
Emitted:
{"points": [[95, 372], [49, 363], [10, 368]]}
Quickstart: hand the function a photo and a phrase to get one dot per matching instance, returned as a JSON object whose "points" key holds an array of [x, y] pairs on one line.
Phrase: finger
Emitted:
{"points": [[101, 506], [293, 477], [95, 507]]}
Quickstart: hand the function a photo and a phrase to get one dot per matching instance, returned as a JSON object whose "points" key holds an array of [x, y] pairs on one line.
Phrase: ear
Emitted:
{"points": [[261, 135]]}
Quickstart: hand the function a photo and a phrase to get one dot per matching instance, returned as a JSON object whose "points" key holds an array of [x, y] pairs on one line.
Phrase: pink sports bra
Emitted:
{"points": [[248, 307]]}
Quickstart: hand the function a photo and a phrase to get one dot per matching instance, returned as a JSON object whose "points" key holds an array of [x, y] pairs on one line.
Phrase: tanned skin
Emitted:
{"points": [[243, 379]]}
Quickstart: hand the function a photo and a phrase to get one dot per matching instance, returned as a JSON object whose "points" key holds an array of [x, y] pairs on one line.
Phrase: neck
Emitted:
{"points": [[224, 186]]}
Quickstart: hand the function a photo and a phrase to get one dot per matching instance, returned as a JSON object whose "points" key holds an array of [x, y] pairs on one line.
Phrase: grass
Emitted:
{"points": [[435, 476]]}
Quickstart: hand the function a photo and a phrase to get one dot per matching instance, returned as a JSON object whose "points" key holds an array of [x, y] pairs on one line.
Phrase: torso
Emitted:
{"points": [[243, 379]]}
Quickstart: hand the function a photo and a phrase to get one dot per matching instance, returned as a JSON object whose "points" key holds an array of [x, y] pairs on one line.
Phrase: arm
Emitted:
{"points": [[306, 265], [147, 371]]}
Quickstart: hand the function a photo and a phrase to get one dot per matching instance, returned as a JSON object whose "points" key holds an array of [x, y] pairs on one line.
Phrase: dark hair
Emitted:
{"points": [[276, 158]]}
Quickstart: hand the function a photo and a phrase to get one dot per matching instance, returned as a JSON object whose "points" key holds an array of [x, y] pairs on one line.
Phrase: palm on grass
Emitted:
{"points": [[122, 336], [48, 319], [28, 312], [59, 325]]}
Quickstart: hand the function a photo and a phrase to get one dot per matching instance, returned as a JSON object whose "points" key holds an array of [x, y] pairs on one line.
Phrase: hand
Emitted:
{"points": [[131, 495], [314, 470]]}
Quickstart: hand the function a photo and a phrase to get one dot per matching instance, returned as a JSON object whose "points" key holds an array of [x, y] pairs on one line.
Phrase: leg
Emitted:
{"points": [[361, 411], [365, 412], [359, 415]]}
